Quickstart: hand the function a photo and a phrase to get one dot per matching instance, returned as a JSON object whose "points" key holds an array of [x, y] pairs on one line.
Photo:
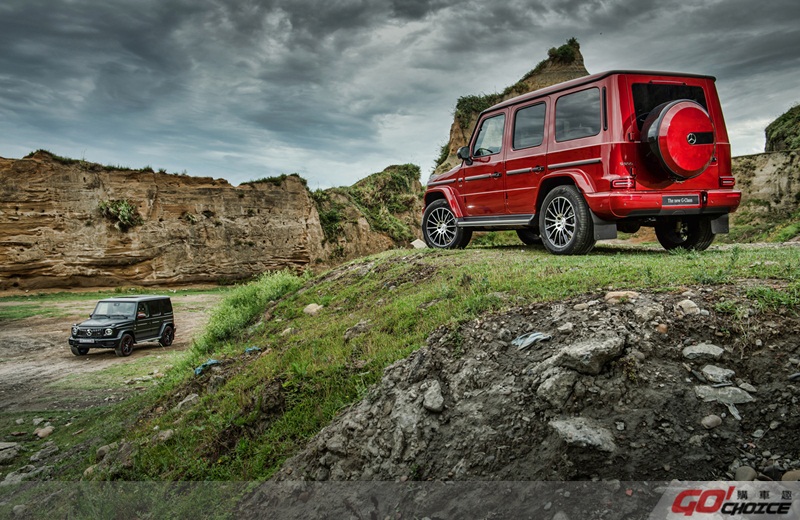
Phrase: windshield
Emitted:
{"points": [[109, 309]]}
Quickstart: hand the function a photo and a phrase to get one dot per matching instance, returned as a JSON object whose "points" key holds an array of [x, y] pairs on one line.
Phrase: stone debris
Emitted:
{"points": [[418, 244], [312, 309], [686, 308], [433, 400], [49, 449], [187, 401], [43, 433], [703, 351], [8, 451], [583, 433], [590, 356], [716, 374]]}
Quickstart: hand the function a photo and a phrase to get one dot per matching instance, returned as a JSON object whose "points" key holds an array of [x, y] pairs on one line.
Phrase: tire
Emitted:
{"points": [[687, 233], [125, 347], [167, 337], [565, 222], [681, 136], [439, 227], [529, 237], [79, 351]]}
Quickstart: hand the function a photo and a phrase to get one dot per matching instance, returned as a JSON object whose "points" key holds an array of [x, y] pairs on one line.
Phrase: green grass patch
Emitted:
{"points": [[268, 405]]}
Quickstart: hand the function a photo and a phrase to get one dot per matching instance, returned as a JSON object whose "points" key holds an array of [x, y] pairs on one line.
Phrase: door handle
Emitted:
{"points": [[496, 175], [538, 169]]}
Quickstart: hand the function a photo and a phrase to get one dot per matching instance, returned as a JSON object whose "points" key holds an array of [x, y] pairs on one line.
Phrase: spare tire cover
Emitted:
{"points": [[681, 135]]}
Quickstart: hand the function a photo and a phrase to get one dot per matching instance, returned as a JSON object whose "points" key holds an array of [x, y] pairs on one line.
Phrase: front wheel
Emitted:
{"points": [[439, 228], [687, 233], [565, 222], [125, 347]]}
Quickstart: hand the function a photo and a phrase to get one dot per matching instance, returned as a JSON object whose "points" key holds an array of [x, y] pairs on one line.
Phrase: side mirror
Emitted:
{"points": [[463, 153]]}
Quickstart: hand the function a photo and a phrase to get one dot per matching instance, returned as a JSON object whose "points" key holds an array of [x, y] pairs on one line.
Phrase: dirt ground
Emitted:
{"points": [[35, 355]]}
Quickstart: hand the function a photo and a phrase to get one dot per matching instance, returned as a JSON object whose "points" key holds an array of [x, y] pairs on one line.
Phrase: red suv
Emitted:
{"points": [[576, 162]]}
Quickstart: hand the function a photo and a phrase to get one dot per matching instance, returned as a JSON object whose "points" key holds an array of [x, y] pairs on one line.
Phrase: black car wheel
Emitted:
{"points": [[125, 347], [439, 227], [687, 233], [167, 337], [79, 351], [565, 222]]}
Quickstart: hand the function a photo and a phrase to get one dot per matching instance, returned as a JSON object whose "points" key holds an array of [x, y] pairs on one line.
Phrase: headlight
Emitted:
{"points": [[74, 331], [109, 332]]}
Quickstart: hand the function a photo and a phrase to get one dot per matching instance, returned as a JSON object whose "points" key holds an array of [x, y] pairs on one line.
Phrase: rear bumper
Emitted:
{"points": [[615, 205]]}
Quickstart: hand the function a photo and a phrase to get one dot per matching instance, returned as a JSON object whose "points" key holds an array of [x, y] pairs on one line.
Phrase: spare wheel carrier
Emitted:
{"points": [[681, 135]]}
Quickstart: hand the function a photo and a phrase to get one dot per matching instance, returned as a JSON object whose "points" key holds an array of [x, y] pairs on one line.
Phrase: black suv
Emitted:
{"points": [[120, 322]]}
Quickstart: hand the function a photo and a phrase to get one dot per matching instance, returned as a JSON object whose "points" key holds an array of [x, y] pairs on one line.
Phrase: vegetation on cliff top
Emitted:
{"points": [[380, 198], [784, 132]]}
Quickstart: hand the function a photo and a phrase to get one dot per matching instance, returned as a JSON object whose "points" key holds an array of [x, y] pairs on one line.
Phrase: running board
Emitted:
{"points": [[510, 220]]}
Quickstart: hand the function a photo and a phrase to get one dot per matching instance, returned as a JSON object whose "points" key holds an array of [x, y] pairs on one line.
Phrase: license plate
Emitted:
{"points": [[85, 341], [680, 200]]}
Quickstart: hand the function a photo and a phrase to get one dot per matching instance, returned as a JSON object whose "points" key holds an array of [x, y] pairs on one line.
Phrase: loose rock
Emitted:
{"points": [[686, 308], [433, 400], [716, 374], [43, 433], [581, 432], [8, 450], [745, 474], [711, 421], [312, 309], [703, 351], [589, 357]]}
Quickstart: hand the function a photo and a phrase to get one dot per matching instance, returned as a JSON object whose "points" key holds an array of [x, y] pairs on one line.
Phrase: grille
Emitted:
{"points": [[85, 333]]}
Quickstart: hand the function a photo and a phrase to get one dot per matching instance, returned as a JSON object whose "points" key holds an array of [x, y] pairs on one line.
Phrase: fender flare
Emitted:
{"points": [[447, 193]]}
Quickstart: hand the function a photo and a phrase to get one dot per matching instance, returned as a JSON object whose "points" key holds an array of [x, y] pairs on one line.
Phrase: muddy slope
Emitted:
{"points": [[637, 387]]}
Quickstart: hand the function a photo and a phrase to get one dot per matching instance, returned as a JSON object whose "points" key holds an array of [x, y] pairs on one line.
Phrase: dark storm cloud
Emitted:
{"points": [[227, 85]]}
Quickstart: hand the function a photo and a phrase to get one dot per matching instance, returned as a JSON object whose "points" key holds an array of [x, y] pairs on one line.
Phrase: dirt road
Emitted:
{"points": [[38, 371]]}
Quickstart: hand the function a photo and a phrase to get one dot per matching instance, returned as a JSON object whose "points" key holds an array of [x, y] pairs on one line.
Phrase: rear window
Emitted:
{"points": [[578, 115], [647, 96]]}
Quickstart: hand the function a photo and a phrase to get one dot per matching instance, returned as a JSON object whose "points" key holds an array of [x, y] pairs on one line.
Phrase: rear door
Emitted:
{"points": [[526, 160], [481, 183]]}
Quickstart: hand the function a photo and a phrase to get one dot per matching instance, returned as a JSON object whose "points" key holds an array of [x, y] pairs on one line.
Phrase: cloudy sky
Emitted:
{"points": [[338, 89]]}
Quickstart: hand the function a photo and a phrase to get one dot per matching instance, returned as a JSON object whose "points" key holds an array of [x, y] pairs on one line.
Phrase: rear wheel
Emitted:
{"points": [[439, 227], [529, 237], [686, 233], [565, 222], [167, 337], [125, 347], [79, 351]]}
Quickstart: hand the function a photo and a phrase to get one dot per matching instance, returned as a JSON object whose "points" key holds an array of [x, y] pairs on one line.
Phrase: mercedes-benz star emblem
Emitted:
{"points": [[89, 332], [691, 138]]}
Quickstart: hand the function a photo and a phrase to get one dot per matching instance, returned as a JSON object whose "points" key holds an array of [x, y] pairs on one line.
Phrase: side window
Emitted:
{"points": [[578, 115], [529, 127], [490, 136], [142, 311], [155, 308], [166, 306]]}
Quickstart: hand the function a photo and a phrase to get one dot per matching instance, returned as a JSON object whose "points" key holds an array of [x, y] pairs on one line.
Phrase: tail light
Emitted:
{"points": [[624, 183], [727, 182]]}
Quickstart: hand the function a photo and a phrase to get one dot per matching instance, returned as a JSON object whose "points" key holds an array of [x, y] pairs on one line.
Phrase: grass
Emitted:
{"points": [[257, 409], [265, 406]]}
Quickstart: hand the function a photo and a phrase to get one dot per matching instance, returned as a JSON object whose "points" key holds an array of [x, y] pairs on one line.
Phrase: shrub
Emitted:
{"points": [[122, 212]]}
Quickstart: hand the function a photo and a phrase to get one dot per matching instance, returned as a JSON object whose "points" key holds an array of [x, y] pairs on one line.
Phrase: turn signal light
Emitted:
{"points": [[623, 183], [727, 182]]}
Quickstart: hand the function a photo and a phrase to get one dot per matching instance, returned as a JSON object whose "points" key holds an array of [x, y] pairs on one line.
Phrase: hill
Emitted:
{"points": [[562, 64]]}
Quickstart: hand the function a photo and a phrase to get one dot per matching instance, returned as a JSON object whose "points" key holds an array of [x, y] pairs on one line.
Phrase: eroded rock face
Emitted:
{"points": [[193, 229]]}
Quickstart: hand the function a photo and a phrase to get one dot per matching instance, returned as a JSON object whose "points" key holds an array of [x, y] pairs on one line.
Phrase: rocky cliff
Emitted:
{"points": [[562, 64], [67, 224], [770, 208]]}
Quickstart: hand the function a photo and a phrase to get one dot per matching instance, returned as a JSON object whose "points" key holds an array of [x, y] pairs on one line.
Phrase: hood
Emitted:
{"points": [[101, 323]]}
